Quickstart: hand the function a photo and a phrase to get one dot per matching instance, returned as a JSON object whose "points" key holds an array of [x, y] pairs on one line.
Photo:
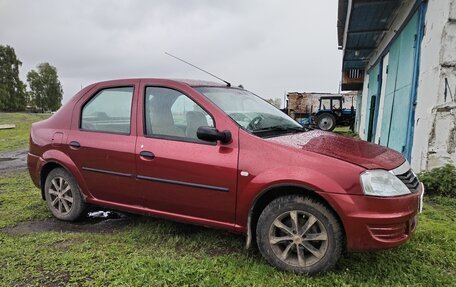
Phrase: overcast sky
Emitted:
{"points": [[268, 46]]}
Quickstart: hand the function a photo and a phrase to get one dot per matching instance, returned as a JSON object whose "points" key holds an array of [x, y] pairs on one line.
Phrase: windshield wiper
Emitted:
{"points": [[279, 129]]}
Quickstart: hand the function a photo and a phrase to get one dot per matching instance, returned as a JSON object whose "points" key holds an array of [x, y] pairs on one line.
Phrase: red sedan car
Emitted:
{"points": [[220, 156]]}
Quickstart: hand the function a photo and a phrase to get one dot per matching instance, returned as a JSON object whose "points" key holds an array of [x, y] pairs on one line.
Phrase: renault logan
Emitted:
{"points": [[220, 156]]}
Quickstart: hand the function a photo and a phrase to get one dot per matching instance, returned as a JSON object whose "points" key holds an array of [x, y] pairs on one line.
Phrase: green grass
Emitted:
{"points": [[17, 138], [345, 131], [162, 253]]}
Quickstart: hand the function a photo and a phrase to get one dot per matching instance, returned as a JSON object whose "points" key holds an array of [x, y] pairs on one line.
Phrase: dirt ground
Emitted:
{"points": [[104, 226], [13, 161], [16, 161]]}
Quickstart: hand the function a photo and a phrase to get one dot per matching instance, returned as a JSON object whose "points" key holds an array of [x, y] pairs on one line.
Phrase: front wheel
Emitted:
{"points": [[63, 196], [300, 235]]}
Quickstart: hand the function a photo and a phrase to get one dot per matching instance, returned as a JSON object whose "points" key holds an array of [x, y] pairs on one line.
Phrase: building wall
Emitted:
{"points": [[302, 102], [435, 132], [359, 102], [434, 138], [362, 116]]}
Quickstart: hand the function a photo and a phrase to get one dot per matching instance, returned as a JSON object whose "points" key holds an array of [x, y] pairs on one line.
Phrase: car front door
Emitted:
{"points": [[180, 175], [102, 142]]}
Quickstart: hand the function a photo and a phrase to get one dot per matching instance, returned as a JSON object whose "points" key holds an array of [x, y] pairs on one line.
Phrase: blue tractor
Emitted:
{"points": [[331, 114]]}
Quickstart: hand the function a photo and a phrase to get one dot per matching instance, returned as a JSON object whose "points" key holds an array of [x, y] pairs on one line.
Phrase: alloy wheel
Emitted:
{"points": [[298, 238], [61, 195]]}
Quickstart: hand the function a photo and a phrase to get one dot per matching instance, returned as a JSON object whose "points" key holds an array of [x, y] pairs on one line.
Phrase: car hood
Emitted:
{"points": [[359, 152]]}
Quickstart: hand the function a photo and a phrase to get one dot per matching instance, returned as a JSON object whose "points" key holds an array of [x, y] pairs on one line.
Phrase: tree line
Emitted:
{"points": [[44, 92]]}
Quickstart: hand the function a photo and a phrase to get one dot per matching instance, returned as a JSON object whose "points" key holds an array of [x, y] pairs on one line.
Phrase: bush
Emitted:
{"points": [[440, 181]]}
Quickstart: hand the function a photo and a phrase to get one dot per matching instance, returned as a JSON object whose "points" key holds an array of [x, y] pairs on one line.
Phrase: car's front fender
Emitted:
{"points": [[253, 187]]}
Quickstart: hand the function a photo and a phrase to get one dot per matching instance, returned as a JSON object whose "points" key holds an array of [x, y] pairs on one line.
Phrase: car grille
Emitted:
{"points": [[410, 180]]}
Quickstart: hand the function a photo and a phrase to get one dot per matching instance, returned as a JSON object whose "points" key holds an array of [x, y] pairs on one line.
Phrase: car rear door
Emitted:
{"points": [[102, 141], [181, 176]]}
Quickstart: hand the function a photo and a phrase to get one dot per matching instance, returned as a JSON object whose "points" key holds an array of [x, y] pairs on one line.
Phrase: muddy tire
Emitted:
{"points": [[326, 122], [63, 196], [299, 235]]}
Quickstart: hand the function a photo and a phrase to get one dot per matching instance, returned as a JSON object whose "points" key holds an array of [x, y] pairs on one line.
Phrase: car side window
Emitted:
{"points": [[170, 113], [108, 111]]}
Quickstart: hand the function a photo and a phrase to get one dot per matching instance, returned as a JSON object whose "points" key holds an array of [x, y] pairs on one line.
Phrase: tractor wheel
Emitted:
{"points": [[326, 122]]}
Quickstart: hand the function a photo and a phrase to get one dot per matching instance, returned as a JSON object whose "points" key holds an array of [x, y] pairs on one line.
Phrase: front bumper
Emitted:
{"points": [[373, 223]]}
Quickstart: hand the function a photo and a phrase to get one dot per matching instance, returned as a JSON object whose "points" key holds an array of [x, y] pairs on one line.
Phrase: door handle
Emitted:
{"points": [[147, 154], [75, 144]]}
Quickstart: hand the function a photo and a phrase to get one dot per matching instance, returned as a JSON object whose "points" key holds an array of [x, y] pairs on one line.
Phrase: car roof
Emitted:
{"points": [[198, 83], [190, 82]]}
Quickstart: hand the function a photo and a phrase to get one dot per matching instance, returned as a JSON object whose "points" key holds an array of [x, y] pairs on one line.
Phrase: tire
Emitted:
{"points": [[317, 251], [326, 122], [63, 196]]}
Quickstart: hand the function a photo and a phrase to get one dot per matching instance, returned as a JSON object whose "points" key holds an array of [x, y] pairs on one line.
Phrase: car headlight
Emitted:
{"points": [[382, 183]]}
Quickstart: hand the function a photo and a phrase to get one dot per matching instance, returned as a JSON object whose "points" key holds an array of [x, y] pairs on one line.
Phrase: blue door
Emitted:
{"points": [[398, 91]]}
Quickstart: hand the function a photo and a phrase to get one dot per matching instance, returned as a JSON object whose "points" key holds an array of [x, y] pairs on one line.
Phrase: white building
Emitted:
{"points": [[401, 57]]}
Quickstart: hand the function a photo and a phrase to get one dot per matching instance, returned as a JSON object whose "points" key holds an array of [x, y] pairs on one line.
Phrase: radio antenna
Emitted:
{"points": [[226, 82]]}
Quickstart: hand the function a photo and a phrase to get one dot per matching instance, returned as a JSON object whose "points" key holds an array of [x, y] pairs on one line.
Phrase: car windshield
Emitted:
{"points": [[251, 112]]}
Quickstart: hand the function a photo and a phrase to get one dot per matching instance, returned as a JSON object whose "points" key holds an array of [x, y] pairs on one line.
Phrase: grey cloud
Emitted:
{"points": [[269, 46]]}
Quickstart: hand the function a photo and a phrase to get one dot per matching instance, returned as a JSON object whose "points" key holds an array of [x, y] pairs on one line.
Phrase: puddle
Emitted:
{"points": [[13, 161], [105, 222], [97, 222]]}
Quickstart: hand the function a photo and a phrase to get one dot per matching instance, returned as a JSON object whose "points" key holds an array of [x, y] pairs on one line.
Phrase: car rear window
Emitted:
{"points": [[108, 111]]}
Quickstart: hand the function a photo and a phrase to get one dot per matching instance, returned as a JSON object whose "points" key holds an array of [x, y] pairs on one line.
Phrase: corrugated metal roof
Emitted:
{"points": [[368, 22]]}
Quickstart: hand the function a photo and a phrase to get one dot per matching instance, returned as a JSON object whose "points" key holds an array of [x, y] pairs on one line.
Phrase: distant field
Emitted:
{"points": [[17, 138]]}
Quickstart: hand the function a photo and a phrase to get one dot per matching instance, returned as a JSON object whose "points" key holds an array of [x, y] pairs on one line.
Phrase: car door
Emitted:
{"points": [[102, 142], [180, 175]]}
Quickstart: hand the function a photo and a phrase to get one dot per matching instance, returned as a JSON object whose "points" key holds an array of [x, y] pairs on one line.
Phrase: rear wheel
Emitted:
{"points": [[299, 235], [326, 122], [63, 196]]}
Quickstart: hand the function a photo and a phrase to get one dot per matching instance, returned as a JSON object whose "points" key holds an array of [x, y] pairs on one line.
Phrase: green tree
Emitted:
{"points": [[12, 89], [45, 89]]}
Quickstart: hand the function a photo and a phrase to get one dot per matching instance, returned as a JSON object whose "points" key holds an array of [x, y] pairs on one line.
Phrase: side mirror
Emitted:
{"points": [[211, 134]]}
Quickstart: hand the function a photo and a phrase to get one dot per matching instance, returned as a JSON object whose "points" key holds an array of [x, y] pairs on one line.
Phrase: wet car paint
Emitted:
{"points": [[359, 152], [317, 162]]}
